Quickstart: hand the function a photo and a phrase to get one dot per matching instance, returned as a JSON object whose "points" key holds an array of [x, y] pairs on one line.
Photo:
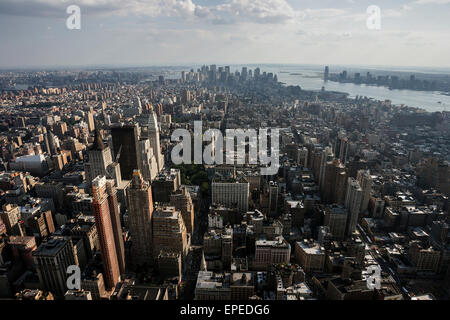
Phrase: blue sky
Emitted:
{"points": [[184, 32]]}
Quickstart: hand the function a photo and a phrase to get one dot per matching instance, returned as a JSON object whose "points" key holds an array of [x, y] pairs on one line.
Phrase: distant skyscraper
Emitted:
{"points": [[335, 179], [273, 198], [326, 74], [140, 211], [365, 181], [105, 230], [90, 121], [125, 143], [353, 202]]}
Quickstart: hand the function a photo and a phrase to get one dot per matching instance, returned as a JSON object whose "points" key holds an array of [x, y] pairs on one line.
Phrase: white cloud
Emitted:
{"points": [[432, 1], [258, 11]]}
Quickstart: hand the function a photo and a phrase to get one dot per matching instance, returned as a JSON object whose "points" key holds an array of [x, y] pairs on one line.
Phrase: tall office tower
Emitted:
{"points": [[150, 130], [53, 143], [186, 96], [149, 166], [90, 121], [302, 157], [365, 181], [244, 73], [182, 202], [336, 221], [325, 156], [138, 104], [116, 224], [169, 231], [47, 144], [326, 73], [101, 162], [125, 146], [353, 202], [273, 198], [105, 232], [341, 147], [335, 178], [140, 212], [52, 259]]}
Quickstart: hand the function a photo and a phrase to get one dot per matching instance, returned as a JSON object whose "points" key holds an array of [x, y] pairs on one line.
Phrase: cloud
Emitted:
{"points": [[227, 11], [432, 1]]}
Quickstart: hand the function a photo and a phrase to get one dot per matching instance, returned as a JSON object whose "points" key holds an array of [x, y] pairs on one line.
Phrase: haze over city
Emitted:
{"points": [[175, 32]]}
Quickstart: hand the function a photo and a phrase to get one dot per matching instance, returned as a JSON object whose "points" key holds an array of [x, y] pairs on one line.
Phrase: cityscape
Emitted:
{"points": [[197, 182]]}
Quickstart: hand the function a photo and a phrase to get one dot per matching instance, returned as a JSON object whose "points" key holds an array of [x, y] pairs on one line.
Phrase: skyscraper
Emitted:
{"points": [[125, 145], [149, 165], [140, 211], [105, 230], [365, 181], [101, 162], [116, 224], [52, 259], [169, 231], [353, 202], [182, 201], [90, 121], [150, 130]]}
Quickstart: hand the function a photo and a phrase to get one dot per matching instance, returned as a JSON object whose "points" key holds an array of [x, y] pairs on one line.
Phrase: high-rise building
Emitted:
{"points": [[90, 121], [150, 130], [326, 155], [326, 73], [140, 212], [302, 157], [233, 193], [52, 259], [353, 202], [11, 217], [182, 201], [169, 231], [149, 165], [101, 162], [365, 181], [126, 149], [166, 183], [273, 198], [116, 224], [336, 221], [334, 183], [105, 230]]}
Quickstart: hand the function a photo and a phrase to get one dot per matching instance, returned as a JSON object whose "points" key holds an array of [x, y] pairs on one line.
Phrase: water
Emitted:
{"points": [[311, 78]]}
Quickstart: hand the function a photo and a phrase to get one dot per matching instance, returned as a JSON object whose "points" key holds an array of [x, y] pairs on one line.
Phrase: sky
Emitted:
{"points": [[33, 33]]}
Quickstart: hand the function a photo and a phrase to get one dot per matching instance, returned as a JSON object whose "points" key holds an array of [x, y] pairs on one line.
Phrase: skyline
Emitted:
{"points": [[153, 33]]}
